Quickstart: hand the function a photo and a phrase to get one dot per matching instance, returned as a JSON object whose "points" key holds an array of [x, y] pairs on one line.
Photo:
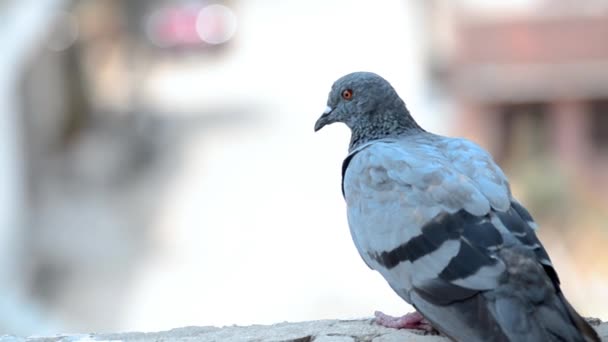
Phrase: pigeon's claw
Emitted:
{"points": [[412, 320]]}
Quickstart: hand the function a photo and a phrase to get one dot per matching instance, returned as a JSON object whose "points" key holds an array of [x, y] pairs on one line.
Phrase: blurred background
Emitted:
{"points": [[158, 166]]}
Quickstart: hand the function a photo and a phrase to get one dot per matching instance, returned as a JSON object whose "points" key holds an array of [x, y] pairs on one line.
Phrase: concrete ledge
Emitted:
{"points": [[318, 331]]}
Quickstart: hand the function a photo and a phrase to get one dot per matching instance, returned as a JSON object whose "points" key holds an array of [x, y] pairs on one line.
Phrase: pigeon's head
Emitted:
{"points": [[368, 105]]}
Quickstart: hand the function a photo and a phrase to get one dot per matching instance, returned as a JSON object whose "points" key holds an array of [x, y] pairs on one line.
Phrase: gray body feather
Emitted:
{"points": [[436, 218]]}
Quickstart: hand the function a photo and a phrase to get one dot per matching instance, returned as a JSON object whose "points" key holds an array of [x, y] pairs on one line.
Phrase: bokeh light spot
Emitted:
{"points": [[216, 24]]}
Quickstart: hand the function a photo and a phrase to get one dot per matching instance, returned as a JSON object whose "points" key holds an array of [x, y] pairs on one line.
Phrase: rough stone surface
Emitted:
{"points": [[363, 330]]}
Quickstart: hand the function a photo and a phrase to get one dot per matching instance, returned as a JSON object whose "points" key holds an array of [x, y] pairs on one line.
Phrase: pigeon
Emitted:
{"points": [[435, 216]]}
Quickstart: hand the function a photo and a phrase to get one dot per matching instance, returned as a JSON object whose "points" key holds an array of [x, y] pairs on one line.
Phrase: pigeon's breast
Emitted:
{"points": [[381, 211]]}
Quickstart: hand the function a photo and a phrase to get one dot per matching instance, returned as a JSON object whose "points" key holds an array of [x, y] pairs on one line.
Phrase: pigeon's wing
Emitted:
{"points": [[436, 218], [407, 209]]}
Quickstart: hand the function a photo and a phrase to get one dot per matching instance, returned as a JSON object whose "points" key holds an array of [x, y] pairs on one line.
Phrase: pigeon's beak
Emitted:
{"points": [[324, 119]]}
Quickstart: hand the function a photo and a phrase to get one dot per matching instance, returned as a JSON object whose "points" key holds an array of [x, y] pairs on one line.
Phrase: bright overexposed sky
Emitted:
{"points": [[253, 229]]}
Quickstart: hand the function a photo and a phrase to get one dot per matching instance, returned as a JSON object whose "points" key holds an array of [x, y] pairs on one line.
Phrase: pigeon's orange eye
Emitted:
{"points": [[347, 94]]}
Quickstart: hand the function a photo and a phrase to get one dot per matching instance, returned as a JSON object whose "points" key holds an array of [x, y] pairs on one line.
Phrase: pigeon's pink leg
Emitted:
{"points": [[412, 320]]}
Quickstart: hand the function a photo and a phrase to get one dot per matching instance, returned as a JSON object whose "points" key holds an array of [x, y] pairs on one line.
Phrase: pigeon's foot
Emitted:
{"points": [[412, 320]]}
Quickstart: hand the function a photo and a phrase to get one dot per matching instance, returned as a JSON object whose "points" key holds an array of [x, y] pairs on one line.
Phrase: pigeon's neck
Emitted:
{"points": [[385, 128]]}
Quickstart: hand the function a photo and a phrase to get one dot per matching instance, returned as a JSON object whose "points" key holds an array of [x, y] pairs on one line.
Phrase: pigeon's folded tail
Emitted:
{"points": [[538, 313]]}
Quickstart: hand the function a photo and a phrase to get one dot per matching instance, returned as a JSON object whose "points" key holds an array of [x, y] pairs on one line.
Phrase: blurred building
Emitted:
{"points": [[529, 83], [97, 154]]}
